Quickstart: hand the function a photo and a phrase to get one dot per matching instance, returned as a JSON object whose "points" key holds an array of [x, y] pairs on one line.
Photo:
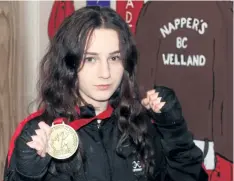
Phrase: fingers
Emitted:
{"points": [[155, 98], [37, 144], [145, 103], [157, 108], [40, 140], [42, 136], [45, 127], [153, 101], [150, 92]]}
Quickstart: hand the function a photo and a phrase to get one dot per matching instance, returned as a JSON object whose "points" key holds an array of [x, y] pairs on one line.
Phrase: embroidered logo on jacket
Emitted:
{"points": [[136, 166]]}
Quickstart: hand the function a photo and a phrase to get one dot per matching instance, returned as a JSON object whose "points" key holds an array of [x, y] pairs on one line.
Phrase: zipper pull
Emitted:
{"points": [[99, 123]]}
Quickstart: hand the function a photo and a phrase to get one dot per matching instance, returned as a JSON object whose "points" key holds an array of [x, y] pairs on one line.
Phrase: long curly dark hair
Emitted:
{"points": [[58, 83]]}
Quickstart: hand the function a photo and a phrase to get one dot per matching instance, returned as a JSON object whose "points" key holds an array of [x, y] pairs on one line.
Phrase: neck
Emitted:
{"points": [[100, 107]]}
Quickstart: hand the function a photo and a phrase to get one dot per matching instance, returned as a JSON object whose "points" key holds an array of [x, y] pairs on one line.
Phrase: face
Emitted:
{"points": [[102, 68]]}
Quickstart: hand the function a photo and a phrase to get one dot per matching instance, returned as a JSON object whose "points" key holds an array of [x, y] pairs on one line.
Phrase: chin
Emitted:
{"points": [[103, 97]]}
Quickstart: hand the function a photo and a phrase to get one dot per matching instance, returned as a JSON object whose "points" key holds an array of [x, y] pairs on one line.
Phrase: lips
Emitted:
{"points": [[103, 86]]}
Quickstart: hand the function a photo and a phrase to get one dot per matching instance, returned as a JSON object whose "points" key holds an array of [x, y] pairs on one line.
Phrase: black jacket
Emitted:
{"points": [[177, 157]]}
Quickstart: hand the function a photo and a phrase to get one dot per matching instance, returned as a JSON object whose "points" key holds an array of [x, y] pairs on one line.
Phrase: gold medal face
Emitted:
{"points": [[63, 141]]}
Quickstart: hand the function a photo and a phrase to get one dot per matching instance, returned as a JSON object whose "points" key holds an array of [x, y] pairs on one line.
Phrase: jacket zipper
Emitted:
{"points": [[106, 154]]}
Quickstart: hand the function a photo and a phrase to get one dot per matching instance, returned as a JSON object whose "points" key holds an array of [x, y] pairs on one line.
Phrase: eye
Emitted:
{"points": [[115, 58], [90, 59]]}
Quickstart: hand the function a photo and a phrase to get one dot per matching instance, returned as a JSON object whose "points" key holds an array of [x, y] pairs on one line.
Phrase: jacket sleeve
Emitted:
{"points": [[11, 173], [25, 164], [183, 158]]}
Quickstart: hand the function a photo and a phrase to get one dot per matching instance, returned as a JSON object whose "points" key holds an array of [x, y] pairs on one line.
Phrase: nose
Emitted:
{"points": [[104, 70]]}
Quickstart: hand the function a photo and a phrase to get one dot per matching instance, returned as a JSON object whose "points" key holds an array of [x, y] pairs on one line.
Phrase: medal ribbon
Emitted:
{"points": [[78, 123]]}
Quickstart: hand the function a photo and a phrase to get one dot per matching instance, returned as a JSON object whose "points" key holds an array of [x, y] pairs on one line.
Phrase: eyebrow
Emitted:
{"points": [[94, 53]]}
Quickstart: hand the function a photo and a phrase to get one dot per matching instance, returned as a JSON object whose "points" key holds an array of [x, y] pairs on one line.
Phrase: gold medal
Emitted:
{"points": [[63, 141]]}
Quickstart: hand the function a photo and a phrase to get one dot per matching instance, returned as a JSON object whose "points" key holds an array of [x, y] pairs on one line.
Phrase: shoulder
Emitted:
{"points": [[30, 122]]}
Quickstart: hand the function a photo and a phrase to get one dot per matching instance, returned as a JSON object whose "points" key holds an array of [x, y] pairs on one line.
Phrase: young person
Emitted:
{"points": [[88, 73]]}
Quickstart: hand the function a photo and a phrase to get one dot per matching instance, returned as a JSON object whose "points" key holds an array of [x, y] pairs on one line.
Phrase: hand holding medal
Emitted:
{"points": [[39, 141], [60, 141]]}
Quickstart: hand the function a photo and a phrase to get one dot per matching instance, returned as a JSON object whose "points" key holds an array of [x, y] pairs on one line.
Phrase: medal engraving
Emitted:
{"points": [[63, 141]]}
